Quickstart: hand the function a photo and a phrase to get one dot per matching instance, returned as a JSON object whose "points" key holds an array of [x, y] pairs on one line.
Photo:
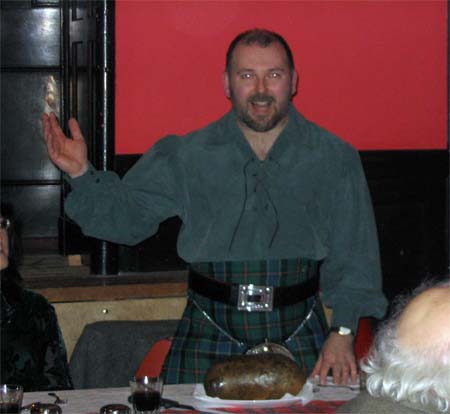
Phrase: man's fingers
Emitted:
{"points": [[337, 375], [44, 118], [321, 370], [75, 130], [316, 369], [55, 128], [53, 146], [344, 375], [48, 137], [353, 372], [45, 126], [323, 374], [51, 128]]}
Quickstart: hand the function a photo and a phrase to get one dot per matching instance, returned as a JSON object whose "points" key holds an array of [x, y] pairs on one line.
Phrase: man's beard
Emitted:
{"points": [[263, 123]]}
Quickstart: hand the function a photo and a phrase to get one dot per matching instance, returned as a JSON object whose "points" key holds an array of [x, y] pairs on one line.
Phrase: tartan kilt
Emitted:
{"points": [[198, 342]]}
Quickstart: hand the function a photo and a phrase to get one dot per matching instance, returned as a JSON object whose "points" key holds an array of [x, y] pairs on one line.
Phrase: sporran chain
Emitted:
{"points": [[243, 344]]}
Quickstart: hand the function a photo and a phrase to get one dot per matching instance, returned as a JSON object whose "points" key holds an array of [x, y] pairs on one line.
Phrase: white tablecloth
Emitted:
{"points": [[91, 400]]}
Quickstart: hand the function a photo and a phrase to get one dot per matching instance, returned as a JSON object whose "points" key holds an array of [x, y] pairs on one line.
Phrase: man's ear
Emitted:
{"points": [[294, 82], [226, 84]]}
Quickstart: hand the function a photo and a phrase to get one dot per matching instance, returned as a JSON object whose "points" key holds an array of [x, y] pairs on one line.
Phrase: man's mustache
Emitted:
{"points": [[261, 97]]}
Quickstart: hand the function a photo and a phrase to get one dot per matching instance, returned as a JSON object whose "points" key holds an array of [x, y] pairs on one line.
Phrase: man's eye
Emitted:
{"points": [[246, 75], [274, 75]]}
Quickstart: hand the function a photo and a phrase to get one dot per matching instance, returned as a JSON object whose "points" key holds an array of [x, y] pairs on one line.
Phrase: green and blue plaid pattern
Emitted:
{"points": [[198, 342]]}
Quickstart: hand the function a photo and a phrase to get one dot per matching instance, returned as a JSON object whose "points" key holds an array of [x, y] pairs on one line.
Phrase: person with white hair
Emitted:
{"points": [[408, 367]]}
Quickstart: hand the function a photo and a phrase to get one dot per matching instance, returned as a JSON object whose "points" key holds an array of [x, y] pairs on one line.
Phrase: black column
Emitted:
{"points": [[104, 255]]}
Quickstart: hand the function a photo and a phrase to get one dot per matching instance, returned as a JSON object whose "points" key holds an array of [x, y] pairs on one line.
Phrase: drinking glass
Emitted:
{"points": [[11, 396], [146, 394]]}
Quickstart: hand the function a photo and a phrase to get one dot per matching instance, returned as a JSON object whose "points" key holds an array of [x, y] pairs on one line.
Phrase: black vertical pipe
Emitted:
{"points": [[104, 256], [64, 114]]}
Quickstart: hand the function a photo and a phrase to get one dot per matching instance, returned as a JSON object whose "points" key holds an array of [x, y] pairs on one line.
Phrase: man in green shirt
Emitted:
{"points": [[266, 198]]}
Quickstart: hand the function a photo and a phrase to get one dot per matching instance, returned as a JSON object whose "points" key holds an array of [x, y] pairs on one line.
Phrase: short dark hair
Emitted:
{"points": [[14, 239], [263, 38], [12, 282]]}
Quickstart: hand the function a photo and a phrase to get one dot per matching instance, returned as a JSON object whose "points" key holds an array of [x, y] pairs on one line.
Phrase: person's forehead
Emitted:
{"points": [[426, 319], [255, 54]]}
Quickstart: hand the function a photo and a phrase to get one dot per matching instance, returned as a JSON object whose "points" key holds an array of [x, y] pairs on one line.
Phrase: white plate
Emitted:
{"points": [[288, 399]]}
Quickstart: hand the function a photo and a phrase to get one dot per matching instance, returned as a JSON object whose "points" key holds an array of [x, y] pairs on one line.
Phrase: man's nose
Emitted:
{"points": [[261, 85]]}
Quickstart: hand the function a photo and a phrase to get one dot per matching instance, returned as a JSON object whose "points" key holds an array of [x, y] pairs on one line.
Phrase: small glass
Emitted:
{"points": [[146, 394], [11, 396]]}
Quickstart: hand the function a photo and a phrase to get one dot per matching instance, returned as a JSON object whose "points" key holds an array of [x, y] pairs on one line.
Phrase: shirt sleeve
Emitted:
{"points": [[127, 210], [351, 273]]}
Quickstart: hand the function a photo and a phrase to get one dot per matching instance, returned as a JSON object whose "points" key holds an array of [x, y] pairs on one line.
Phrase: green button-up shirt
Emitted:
{"points": [[308, 198]]}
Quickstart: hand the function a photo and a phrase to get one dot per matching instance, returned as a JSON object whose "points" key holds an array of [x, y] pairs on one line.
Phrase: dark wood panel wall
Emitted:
{"points": [[30, 84]]}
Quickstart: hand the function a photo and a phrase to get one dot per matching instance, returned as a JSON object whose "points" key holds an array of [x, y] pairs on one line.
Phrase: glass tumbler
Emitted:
{"points": [[146, 394], [11, 396]]}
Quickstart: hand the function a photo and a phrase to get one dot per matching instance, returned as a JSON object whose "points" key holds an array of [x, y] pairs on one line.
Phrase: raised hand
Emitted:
{"points": [[69, 155]]}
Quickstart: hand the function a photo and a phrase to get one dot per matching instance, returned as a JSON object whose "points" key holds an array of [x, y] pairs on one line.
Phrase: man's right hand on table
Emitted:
{"points": [[69, 155]]}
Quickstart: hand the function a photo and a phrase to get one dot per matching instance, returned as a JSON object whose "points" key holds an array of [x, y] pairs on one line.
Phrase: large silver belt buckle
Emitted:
{"points": [[252, 298]]}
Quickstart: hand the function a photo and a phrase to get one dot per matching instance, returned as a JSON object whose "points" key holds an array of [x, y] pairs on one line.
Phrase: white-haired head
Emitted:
{"points": [[410, 358]]}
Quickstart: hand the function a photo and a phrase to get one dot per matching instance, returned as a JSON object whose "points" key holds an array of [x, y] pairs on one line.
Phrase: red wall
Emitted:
{"points": [[373, 72]]}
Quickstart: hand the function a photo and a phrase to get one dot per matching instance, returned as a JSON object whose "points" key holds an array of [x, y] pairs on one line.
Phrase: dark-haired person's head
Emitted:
{"points": [[10, 246], [260, 81], [262, 38]]}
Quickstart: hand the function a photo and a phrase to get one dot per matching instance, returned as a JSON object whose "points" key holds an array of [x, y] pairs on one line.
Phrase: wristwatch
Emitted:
{"points": [[341, 330]]}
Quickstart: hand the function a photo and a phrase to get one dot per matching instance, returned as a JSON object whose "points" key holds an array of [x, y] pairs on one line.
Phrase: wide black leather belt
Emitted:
{"points": [[252, 297]]}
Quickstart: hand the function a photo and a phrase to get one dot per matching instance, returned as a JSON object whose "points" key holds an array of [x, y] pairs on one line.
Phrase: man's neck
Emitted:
{"points": [[262, 142]]}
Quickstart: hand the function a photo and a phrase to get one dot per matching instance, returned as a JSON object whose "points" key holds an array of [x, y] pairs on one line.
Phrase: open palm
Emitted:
{"points": [[69, 155]]}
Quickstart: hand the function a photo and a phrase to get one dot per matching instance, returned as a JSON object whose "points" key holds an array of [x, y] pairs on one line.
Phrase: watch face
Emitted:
{"points": [[344, 331]]}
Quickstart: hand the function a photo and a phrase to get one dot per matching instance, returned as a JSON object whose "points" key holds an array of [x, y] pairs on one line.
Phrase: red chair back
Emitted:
{"points": [[364, 337], [153, 361]]}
